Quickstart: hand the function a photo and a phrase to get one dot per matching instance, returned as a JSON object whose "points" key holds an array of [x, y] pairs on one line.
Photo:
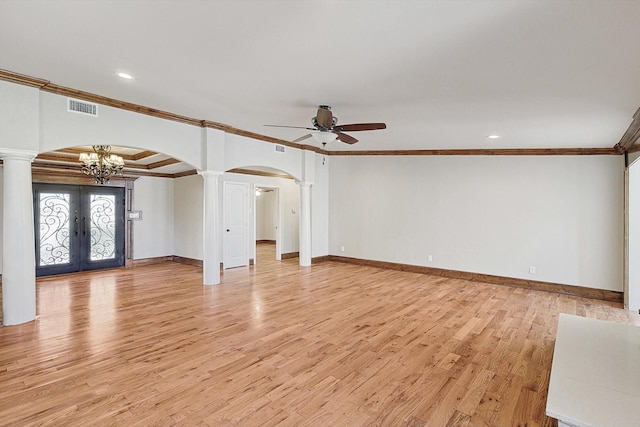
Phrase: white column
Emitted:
{"points": [[211, 229], [305, 224], [18, 249]]}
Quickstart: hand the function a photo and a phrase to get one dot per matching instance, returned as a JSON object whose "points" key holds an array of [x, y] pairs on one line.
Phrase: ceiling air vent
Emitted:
{"points": [[279, 148], [82, 107]]}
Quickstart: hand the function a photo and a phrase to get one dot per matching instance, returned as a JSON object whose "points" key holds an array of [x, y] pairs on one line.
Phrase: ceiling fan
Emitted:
{"points": [[326, 128]]}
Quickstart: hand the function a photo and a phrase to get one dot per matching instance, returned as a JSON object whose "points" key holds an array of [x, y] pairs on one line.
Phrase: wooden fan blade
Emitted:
{"points": [[361, 126], [292, 127], [302, 138], [345, 138], [324, 117]]}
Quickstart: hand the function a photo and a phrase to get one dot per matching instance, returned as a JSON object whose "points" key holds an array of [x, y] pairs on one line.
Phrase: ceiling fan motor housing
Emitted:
{"points": [[314, 121]]}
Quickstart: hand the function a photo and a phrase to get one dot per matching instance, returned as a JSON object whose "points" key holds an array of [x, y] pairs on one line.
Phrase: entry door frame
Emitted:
{"points": [[80, 227]]}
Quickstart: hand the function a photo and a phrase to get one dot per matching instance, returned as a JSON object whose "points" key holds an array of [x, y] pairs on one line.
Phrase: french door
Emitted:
{"points": [[78, 228]]}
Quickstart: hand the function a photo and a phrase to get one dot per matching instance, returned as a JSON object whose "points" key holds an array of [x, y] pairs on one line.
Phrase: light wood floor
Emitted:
{"points": [[277, 344]]}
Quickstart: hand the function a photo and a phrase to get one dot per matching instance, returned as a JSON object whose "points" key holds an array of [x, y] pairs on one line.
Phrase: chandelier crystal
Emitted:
{"points": [[101, 164]]}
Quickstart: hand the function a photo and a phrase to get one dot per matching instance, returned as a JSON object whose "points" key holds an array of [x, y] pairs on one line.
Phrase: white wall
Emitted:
{"points": [[485, 214], [634, 237], [153, 236], [113, 126], [187, 214], [242, 152], [266, 216], [1, 211], [19, 116], [320, 208], [289, 216]]}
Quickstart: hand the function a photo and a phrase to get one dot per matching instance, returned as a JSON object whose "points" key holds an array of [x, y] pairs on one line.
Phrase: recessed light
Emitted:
{"points": [[125, 76], [493, 136]]}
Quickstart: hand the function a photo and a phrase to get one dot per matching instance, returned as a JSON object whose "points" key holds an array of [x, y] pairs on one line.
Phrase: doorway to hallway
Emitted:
{"points": [[78, 228], [267, 220]]}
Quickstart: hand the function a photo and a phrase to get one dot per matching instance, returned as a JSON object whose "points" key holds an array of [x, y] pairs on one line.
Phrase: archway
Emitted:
{"points": [[281, 223], [149, 222]]}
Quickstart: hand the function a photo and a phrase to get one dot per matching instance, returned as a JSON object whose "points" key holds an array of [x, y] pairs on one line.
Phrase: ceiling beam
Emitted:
{"points": [[139, 156], [185, 173], [161, 163], [57, 158], [74, 161], [74, 169], [131, 157]]}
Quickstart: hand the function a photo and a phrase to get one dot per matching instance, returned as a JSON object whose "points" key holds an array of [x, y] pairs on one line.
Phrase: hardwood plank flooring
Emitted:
{"points": [[280, 345]]}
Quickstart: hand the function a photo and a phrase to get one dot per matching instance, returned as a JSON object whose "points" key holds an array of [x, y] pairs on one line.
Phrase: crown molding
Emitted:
{"points": [[22, 79], [253, 135], [486, 152], [631, 136], [628, 140]]}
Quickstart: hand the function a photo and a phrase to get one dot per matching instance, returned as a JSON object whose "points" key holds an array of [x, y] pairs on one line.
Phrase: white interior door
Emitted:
{"points": [[235, 231]]}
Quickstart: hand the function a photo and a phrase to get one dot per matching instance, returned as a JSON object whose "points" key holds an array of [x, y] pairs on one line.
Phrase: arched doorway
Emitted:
{"points": [[96, 211], [273, 201]]}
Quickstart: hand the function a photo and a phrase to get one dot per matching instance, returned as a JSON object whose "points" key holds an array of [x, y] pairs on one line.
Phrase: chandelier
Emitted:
{"points": [[101, 164]]}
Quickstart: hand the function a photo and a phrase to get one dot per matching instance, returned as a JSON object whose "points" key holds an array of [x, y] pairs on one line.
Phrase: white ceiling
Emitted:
{"points": [[441, 74]]}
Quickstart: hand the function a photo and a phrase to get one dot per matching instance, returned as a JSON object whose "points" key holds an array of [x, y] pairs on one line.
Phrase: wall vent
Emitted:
{"points": [[82, 107], [280, 148]]}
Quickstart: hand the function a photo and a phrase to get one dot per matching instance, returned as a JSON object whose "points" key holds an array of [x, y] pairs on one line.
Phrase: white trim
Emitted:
{"points": [[17, 154], [209, 174]]}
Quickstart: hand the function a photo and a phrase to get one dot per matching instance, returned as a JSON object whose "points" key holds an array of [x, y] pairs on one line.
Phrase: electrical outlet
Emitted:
{"points": [[532, 269], [341, 248], [430, 258]]}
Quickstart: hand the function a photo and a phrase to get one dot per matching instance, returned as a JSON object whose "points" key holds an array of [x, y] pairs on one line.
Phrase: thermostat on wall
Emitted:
{"points": [[135, 215]]}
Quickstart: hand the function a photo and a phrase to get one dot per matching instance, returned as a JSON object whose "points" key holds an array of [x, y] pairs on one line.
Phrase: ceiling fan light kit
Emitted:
{"points": [[326, 129], [324, 136]]}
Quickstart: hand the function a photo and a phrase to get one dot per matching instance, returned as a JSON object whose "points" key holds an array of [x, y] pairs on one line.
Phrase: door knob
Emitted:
{"points": [[228, 230]]}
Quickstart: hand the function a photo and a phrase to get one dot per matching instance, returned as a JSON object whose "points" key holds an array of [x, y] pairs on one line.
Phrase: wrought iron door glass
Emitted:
{"points": [[103, 227], [78, 228], [55, 228]]}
